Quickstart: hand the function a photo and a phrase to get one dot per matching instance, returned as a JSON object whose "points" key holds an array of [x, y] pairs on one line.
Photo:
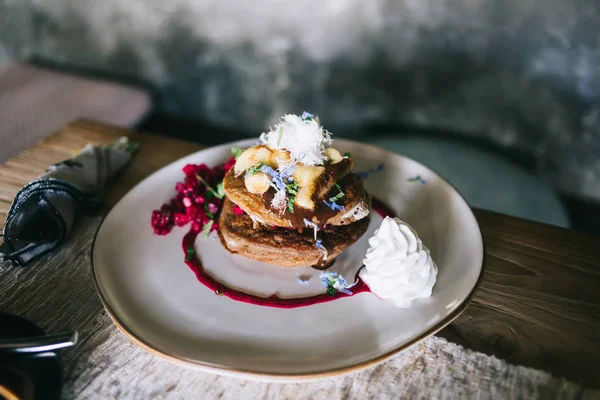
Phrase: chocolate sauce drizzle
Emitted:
{"points": [[220, 289], [322, 212]]}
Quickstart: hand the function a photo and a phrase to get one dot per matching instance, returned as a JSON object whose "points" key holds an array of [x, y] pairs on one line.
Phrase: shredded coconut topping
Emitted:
{"points": [[279, 201], [312, 225], [302, 136]]}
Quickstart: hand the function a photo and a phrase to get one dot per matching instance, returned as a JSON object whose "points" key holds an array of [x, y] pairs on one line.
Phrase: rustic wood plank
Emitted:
{"points": [[538, 304], [58, 293], [155, 152], [30, 163]]}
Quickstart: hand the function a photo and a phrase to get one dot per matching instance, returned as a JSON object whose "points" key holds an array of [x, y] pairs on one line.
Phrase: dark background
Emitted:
{"points": [[519, 77]]}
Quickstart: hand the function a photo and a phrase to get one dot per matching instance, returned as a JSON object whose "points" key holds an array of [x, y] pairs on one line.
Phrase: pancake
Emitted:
{"points": [[285, 247], [356, 203]]}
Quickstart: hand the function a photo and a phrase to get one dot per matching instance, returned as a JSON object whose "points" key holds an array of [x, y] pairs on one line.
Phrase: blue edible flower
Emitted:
{"points": [[279, 182], [333, 205], [306, 115], [365, 174], [279, 178], [268, 170], [276, 176], [417, 179], [377, 168], [335, 282], [287, 172], [319, 245]]}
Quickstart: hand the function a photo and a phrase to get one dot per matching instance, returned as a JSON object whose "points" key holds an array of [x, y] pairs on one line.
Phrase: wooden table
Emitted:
{"points": [[538, 304]]}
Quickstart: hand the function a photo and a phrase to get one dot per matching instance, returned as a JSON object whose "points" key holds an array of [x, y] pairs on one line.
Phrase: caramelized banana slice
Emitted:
{"points": [[281, 158], [258, 154], [333, 155], [257, 183], [333, 173], [306, 177], [251, 157]]}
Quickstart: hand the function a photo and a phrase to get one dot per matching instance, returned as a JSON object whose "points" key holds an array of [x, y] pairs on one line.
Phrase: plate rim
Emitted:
{"points": [[318, 374]]}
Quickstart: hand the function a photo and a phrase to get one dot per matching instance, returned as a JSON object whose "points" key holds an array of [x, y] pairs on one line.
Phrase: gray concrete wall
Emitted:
{"points": [[524, 74]]}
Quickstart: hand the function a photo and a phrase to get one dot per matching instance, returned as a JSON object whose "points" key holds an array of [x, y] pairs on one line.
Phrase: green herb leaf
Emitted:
{"points": [[292, 187], [331, 291], [189, 253], [206, 229], [219, 194], [337, 196], [255, 169], [220, 190], [347, 154], [292, 190], [236, 151]]}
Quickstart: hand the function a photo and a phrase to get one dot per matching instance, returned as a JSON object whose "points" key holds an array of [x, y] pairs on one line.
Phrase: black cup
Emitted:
{"points": [[27, 376]]}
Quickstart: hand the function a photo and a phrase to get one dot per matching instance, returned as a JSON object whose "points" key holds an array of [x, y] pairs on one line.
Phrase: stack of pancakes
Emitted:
{"points": [[310, 231]]}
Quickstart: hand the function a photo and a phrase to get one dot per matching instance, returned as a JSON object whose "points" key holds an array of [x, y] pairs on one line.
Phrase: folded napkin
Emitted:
{"points": [[44, 210]]}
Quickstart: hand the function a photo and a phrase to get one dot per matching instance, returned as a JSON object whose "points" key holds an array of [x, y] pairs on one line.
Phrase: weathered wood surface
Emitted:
{"points": [[58, 293], [538, 304], [155, 152]]}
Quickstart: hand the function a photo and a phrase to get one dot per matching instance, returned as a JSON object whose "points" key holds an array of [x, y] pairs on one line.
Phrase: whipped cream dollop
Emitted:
{"points": [[397, 265], [303, 137]]}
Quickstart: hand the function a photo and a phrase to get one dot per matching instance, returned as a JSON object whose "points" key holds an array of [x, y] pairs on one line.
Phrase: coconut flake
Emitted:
{"points": [[312, 225], [279, 201], [305, 139]]}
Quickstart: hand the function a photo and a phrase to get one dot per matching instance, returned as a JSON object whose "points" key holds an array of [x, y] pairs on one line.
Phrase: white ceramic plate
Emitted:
{"points": [[156, 300]]}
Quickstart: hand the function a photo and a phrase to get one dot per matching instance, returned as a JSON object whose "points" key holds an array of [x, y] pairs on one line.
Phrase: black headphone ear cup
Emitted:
{"points": [[15, 384], [27, 376]]}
